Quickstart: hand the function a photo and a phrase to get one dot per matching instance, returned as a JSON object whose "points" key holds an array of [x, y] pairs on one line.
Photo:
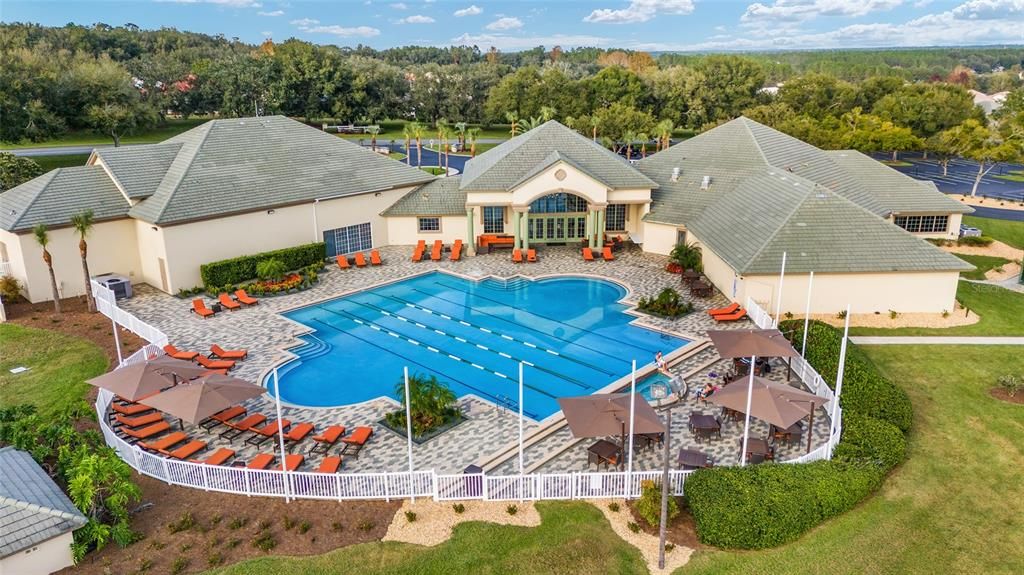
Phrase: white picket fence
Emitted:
{"points": [[106, 303]]}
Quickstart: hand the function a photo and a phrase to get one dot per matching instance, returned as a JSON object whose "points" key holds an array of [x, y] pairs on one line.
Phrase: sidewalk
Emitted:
{"points": [[936, 339]]}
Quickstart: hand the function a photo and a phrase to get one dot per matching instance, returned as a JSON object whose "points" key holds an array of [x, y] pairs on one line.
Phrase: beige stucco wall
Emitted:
{"points": [[716, 270], [404, 231], [14, 256], [659, 238], [111, 249], [47, 557], [545, 183]]}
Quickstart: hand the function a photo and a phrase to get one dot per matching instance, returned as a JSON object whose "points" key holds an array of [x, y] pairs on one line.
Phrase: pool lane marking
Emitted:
{"points": [[479, 391]]}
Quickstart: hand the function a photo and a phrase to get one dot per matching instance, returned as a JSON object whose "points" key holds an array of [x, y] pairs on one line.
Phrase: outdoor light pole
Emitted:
{"points": [[661, 391], [632, 407], [778, 304], [807, 315], [408, 424], [746, 418], [280, 433]]}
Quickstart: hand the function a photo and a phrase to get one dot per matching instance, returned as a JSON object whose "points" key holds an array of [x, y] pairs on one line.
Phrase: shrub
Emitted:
{"points": [[234, 543], [871, 440], [145, 564], [305, 526], [265, 541], [762, 506], [433, 405], [410, 516], [893, 314], [1011, 384], [179, 565], [981, 241], [366, 525], [263, 525], [512, 509], [668, 303], [184, 523], [10, 288], [270, 270], [649, 504], [687, 257], [613, 507], [238, 523], [214, 559], [243, 268], [337, 527], [459, 508], [633, 526], [289, 523]]}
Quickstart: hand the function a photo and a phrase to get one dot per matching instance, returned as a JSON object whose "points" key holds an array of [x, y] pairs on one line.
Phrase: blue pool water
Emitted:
{"points": [[571, 333]]}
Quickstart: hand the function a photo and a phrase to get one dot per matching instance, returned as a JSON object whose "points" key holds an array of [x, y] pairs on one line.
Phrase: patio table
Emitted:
{"points": [[649, 439], [756, 446], [690, 276], [705, 425], [603, 451], [693, 459], [792, 433], [701, 289]]}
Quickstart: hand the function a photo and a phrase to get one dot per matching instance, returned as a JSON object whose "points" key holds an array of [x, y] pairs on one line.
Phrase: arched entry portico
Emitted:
{"points": [[559, 217]]}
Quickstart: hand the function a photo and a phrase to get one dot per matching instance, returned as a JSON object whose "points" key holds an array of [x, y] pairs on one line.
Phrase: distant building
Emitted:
{"points": [[989, 102], [36, 518], [771, 89]]}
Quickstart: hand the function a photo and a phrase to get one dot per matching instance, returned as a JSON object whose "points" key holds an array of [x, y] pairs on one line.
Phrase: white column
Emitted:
{"points": [[842, 367], [632, 411], [778, 304], [807, 315], [470, 236], [520, 418], [408, 426], [524, 231], [515, 228], [746, 418], [280, 433]]}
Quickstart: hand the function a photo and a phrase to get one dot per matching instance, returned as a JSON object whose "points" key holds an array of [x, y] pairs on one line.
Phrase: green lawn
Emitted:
{"points": [[434, 170], [1012, 175], [1000, 309], [173, 127], [1008, 232], [58, 367], [982, 263], [48, 163], [394, 130], [956, 505], [573, 538]]}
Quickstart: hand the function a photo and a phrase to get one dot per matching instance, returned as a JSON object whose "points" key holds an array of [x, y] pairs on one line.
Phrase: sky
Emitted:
{"points": [[652, 25]]}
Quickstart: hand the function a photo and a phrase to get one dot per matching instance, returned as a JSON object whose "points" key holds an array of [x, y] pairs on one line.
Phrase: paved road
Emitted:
{"points": [[60, 150], [996, 213], [936, 339]]}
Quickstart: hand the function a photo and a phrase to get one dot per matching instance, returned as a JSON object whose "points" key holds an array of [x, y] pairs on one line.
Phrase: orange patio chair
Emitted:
{"points": [[360, 260], [588, 255], [164, 443], [226, 301], [148, 431], [375, 258], [240, 427], [517, 256], [732, 308], [342, 262], [215, 363], [219, 352], [140, 420], [738, 314], [298, 433], [217, 457], [327, 439], [456, 251], [222, 417], [261, 461], [435, 252], [178, 354], [417, 254], [531, 256], [293, 461], [355, 442], [607, 254], [185, 451], [259, 436], [130, 408], [199, 307], [330, 464], [245, 298]]}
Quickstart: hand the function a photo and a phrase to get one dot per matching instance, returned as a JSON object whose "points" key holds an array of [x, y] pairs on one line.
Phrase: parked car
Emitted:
{"points": [[969, 232]]}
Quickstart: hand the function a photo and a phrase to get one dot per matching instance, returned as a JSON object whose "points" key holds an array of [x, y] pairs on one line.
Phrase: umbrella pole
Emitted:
{"points": [[810, 429], [746, 418], [280, 434]]}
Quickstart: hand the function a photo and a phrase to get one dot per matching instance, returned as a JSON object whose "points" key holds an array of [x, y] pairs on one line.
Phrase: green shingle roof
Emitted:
{"points": [[139, 169], [440, 197], [55, 196], [32, 508], [516, 160], [246, 164]]}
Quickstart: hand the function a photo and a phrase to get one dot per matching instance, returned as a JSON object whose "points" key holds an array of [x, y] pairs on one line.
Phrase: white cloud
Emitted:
{"points": [[471, 11], [231, 3], [417, 19], [801, 10], [304, 22], [399, 6], [267, 33], [640, 11], [506, 23], [922, 3], [343, 31], [505, 42], [273, 13], [990, 9]]}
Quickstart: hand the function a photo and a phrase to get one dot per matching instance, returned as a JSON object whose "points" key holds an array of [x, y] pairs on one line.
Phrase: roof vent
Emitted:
{"points": [[821, 195], [675, 174], [705, 183]]}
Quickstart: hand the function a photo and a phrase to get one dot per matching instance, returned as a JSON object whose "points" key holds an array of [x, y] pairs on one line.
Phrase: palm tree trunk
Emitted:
{"points": [[53, 282], [419, 153], [83, 248], [408, 154]]}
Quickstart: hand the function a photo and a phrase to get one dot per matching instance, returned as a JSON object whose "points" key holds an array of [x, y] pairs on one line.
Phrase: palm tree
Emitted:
{"points": [[374, 130], [664, 131], [445, 132], [643, 137], [687, 256], [416, 130], [547, 112], [629, 137], [408, 135], [431, 403], [82, 223], [442, 136], [513, 120], [570, 122], [460, 127], [531, 123], [594, 123], [471, 136], [43, 238]]}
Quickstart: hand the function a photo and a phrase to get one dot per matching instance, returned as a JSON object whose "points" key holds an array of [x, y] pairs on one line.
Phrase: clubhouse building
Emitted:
{"points": [[745, 193]]}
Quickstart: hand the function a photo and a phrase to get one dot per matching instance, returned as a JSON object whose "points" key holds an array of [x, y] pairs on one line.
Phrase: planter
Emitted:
{"points": [[432, 434]]}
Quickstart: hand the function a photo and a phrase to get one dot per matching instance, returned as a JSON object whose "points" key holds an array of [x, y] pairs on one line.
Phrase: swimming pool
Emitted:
{"points": [[570, 332]]}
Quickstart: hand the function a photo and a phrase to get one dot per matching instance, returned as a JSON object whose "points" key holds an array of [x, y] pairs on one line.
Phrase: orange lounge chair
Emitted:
{"points": [[417, 254], [238, 428], [261, 461], [131, 408], [588, 255], [732, 308], [355, 442], [456, 251], [140, 420], [185, 451], [226, 301], [327, 439], [178, 354], [266, 432], [607, 254], [517, 256], [738, 314], [435, 252], [219, 352], [360, 260], [375, 258], [245, 298], [218, 457], [215, 363], [164, 443], [148, 431], [330, 464], [298, 432], [342, 262], [199, 307], [222, 417], [531, 256], [293, 461]]}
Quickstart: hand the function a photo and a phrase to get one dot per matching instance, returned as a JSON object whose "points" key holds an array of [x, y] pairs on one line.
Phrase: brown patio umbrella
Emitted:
{"points": [[198, 399], [751, 342], [776, 403], [181, 370], [605, 414], [136, 381]]}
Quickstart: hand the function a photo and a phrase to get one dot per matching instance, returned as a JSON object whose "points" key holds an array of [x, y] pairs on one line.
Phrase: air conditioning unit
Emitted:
{"points": [[675, 174], [120, 285], [705, 183]]}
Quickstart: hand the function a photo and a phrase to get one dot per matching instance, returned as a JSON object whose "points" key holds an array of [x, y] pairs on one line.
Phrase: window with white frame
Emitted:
{"points": [[430, 224], [923, 224], [615, 218], [494, 219], [348, 239]]}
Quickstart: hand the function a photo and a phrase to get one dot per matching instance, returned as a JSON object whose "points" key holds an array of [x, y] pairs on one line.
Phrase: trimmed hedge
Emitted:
{"points": [[243, 268], [761, 506], [765, 505]]}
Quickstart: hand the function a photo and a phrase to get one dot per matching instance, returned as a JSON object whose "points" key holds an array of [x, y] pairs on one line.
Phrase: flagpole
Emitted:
{"points": [[280, 433], [839, 374], [807, 315], [408, 424], [778, 304], [746, 419], [520, 418], [632, 410]]}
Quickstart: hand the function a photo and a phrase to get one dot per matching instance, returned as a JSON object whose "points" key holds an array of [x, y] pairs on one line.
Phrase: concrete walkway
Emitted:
{"points": [[936, 339]]}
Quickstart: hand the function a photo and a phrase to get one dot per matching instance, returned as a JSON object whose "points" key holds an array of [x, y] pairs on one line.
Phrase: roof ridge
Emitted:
{"points": [[35, 197], [753, 138], [29, 506], [782, 223], [205, 129]]}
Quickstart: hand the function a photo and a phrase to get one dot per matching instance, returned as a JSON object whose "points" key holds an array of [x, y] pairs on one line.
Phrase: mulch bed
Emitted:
{"points": [[681, 531], [212, 541], [1001, 394]]}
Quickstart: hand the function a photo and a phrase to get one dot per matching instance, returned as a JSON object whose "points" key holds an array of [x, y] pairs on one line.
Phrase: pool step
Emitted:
{"points": [[314, 348], [511, 284]]}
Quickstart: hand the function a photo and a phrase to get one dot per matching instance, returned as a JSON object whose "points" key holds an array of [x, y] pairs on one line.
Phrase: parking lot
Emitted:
{"points": [[960, 176]]}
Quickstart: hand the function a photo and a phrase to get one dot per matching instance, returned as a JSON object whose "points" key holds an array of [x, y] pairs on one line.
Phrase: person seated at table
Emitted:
{"points": [[764, 367], [709, 388]]}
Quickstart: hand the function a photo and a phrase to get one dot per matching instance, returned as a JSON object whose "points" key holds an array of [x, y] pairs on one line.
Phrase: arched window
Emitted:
{"points": [[558, 203]]}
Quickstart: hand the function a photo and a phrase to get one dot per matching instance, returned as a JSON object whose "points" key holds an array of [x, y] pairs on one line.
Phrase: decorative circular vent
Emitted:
{"points": [[560, 175]]}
